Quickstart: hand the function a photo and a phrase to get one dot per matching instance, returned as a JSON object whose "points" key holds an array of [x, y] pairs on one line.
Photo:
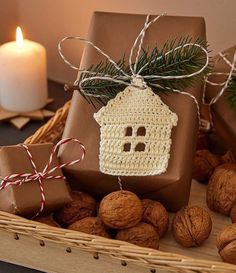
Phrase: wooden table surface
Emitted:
{"points": [[10, 135]]}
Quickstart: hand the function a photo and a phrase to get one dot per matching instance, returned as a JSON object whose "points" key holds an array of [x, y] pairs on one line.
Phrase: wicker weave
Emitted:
{"points": [[52, 131], [145, 257]]}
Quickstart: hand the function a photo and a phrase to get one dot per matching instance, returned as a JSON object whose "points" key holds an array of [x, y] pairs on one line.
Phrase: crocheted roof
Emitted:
{"points": [[137, 106]]}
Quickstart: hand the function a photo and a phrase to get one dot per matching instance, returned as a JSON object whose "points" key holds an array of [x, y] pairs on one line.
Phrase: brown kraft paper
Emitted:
{"points": [[25, 199], [223, 114], [115, 33]]}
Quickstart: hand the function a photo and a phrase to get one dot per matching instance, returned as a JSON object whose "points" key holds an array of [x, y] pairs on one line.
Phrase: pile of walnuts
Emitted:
{"points": [[123, 216], [207, 159], [221, 198], [220, 173]]}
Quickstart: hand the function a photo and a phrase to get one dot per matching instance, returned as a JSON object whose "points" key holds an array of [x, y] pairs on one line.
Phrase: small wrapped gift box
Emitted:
{"points": [[26, 199], [223, 114], [115, 35]]}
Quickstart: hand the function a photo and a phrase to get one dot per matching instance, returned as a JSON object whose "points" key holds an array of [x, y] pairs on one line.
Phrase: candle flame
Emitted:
{"points": [[19, 37]]}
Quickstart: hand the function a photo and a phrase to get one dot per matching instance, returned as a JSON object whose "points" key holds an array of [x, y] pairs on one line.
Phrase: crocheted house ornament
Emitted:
{"points": [[135, 133]]}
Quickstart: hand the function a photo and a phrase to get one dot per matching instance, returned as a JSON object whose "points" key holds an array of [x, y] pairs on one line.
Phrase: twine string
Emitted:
{"points": [[126, 79], [188, 95], [21, 178], [223, 84], [120, 183], [141, 36], [40, 177], [95, 47], [223, 56]]}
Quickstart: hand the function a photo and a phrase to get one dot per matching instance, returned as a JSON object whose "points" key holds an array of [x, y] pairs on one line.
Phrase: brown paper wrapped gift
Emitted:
{"points": [[25, 199], [223, 114], [115, 34]]}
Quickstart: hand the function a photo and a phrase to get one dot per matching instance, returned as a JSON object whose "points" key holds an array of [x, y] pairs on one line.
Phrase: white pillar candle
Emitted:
{"points": [[23, 77]]}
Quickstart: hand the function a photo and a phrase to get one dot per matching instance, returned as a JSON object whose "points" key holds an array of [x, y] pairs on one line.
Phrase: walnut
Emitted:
{"points": [[233, 213], [142, 234], [48, 220], [82, 205], [91, 225], [226, 244], [204, 164], [229, 157], [191, 226], [155, 213], [121, 209], [221, 190]]}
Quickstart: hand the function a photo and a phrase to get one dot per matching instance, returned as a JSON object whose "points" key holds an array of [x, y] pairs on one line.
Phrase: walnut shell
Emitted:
{"points": [[155, 214], [121, 209], [233, 214], [142, 234], [204, 164], [226, 244], [48, 220], [91, 225], [229, 157], [82, 205], [191, 226], [221, 190]]}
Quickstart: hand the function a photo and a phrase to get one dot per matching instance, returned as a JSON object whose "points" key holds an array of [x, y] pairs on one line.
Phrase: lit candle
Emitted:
{"points": [[23, 77]]}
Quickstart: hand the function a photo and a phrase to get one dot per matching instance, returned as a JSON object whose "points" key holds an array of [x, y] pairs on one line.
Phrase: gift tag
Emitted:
{"points": [[135, 133]]}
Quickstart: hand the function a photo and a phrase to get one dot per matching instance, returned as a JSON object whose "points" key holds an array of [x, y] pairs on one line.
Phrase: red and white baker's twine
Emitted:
{"points": [[21, 178], [224, 84]]}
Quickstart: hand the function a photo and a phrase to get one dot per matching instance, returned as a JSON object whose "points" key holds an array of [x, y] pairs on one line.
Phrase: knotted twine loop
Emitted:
{"points": [[224, 84], [21, 178], [123, 77]]}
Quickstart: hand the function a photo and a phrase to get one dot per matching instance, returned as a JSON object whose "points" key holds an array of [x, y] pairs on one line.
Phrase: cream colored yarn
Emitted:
{"points": [[122, 123]]}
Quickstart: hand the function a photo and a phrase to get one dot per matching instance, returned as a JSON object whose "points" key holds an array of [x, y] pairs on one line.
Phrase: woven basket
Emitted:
{"points": [[144, 258]]}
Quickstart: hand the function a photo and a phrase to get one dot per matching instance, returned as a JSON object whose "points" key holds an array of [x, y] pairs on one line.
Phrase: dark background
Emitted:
{"points": [[10, 135]]}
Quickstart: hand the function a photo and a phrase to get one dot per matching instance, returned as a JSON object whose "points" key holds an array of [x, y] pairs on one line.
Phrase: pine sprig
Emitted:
{"points": [[101, 89], [182, 61], [231, 92], [185, 60]]}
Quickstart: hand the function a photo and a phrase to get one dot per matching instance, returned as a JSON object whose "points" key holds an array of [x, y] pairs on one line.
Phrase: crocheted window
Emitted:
{"points": [[127, 147], [129, 131], [140, 147], [141, 131]]}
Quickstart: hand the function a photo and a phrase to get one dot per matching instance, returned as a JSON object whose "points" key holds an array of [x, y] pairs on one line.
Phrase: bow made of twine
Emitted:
{"points": [[47, 173], [135, 79], [224, 84]]}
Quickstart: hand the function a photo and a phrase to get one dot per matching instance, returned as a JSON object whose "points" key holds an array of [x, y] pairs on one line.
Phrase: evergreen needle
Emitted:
{"points": [[185, 60]]}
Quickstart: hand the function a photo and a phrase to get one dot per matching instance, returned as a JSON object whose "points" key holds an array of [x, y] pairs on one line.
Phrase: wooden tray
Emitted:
{"points": [[58, 257]]}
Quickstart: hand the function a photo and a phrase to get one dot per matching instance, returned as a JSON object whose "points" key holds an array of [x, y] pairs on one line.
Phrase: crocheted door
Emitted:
{"points": [[135, 133]]}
